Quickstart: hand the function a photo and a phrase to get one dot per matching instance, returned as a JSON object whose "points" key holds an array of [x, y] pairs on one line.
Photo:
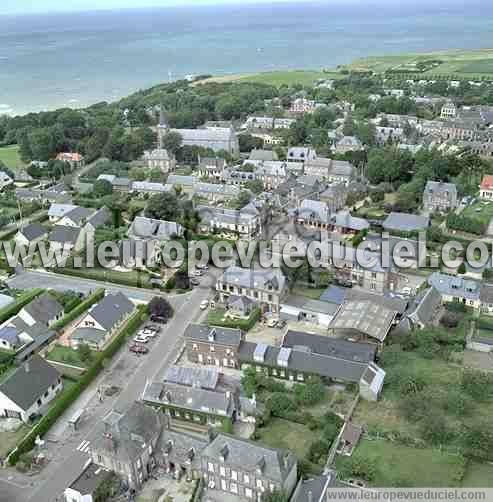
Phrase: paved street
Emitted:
{"points": [[60, 282], [68, 450]]}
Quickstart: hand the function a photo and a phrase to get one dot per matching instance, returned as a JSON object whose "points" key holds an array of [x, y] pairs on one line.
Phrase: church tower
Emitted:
{"points": [[163, 127]]}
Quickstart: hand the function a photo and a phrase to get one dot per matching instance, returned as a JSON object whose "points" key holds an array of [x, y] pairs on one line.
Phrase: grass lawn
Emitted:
{"points": [[287, 435], [478, 476], [313, 293], [68, 356], [8, 440], [481, 211], [9, 155], [405, 466]]}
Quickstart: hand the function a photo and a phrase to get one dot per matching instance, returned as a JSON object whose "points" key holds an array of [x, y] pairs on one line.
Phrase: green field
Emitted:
{"points": [[9, 155], [278, 78], [459, 64], [398, 465], [68, 356], [478, 476]]}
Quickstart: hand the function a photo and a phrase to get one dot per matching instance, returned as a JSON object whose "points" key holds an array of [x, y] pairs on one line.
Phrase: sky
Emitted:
{"points": [[46, 6]]}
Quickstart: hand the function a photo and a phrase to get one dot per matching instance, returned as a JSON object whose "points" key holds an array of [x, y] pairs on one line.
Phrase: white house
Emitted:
{"points": [[5, 180], [29, 389]]}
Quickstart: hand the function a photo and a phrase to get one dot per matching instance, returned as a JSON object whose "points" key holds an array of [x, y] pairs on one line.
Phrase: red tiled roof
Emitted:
{"points": [[69, 157], [487, 183]]}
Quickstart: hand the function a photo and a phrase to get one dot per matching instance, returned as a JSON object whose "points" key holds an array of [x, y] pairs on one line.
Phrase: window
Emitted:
{"points": [[233, 488], [210, 467], [195, 347], [212, 348], [222, 471], [234, 475], [246, 479], [248, 493], [259, 483]]}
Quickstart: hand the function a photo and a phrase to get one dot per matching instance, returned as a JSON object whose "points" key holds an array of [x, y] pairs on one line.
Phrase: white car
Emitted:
{"points": [[407, 290], [204, 304], [141, 339], [147, 333], [202, 267], [271, 323]]}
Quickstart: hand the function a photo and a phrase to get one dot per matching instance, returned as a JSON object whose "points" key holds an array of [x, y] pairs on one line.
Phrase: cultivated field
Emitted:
{"points": [[9, 155]]}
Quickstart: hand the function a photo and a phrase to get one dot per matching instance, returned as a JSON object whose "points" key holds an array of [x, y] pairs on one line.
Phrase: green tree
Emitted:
{"points": [[85, 354], [102, 188], [163, 206], [172, 142]]}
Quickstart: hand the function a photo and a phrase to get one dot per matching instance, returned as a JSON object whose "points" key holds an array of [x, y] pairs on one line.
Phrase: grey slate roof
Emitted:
{"points": [[404, 222], [111, 310], [9, 334], [88, 335], [89, 481], [486, 293], [330, 346], [265, 155], [255, 278], [43, 308], [191, 398], [345, 220], [148, 228], [455, 286], [64, 234], [60, 210], [129, 431], [79, 214], [247, 455], [426, 307], [437, 187], [33, 231], [306, 362], [29, 382], [100, 217], [310, 305], [317, 487], [203, 378], [182, 448], [222, 336]]}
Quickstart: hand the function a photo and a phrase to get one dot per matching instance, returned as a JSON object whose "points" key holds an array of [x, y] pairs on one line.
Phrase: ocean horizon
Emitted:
{"points": [[56, 60]]}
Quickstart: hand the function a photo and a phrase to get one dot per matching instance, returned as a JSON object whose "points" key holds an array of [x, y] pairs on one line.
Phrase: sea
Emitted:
{"points": [[75, 59]]}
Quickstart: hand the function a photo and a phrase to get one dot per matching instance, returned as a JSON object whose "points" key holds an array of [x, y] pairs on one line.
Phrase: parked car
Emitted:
{"points": [[137, 348], [204, 304], [194, 281], [141, 339], [343, 283], [159, 319], [281, 324], [148, 333], [271, 323], [202, 267]]}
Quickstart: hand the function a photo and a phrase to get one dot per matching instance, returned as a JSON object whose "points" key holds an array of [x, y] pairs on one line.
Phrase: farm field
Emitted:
{"points": [[460, 64], [9, 155]]}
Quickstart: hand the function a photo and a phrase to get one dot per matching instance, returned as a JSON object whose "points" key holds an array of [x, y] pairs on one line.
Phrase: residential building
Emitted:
{"points": [[267, 123], [57, 211], [76, 160], [101, 321], [44, 309], [98, 219], [242, 223], [160, 158], [128, 443], [207, 407], [300, 308], [334, 196], [30, 234], [86, 487], [303, 105], [425, 308], [344, 223], [143, 228], [76, 218], [405, 223], [266, 287], [302, 356], [439, 196], [314, 489], [216, 138], [348, 144], [486, 187], [456, 290], [301, 154], [211, 345], [149, 188], [247, 469], [448, 111], [66, 238], [29, 390], [5, 180], [386, 135], [211, 167]]}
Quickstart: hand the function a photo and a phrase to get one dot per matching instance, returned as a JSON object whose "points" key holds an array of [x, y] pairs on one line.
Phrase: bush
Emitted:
{"points": [[450, 320], [359, 466], [310, 393], [68, 398]]}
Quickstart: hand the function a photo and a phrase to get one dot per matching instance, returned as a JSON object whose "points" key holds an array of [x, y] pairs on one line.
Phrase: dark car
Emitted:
{"points": [[159, 319], [343, 283], [138, 348]]}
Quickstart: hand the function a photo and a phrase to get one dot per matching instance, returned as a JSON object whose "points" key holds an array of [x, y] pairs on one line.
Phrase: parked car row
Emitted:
{"points": [[143, 337]]}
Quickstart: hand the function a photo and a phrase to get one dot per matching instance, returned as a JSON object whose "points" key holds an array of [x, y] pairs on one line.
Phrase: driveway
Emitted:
{"points": [[127, 371]]}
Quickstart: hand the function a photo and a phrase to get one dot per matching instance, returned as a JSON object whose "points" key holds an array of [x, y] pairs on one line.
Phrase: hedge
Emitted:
{"points": [[12, 309], [81, 308], [66, 400], [243, 324]]}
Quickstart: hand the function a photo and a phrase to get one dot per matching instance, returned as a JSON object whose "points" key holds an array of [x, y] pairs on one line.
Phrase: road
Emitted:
{"points": [[128, 371], [60, 282]]}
